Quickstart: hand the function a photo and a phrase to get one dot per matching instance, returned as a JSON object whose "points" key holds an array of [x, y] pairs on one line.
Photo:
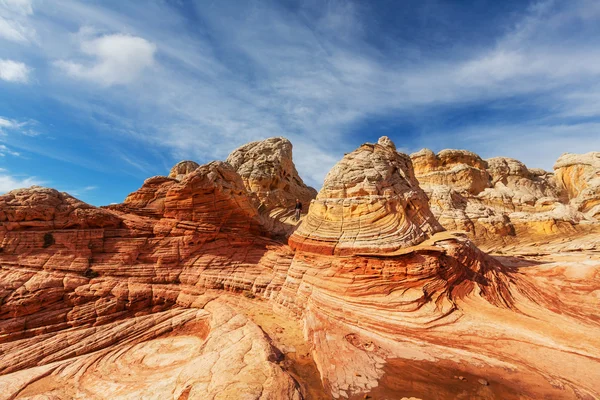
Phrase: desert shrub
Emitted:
{"points": [[48, 240], [90, 273]]}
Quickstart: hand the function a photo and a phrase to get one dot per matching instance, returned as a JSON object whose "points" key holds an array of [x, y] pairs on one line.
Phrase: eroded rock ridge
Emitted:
{"points": [[183, 292]]}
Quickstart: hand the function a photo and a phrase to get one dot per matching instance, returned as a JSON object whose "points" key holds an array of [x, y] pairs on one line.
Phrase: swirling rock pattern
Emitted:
{"points": [[173, 294], [370, 202]]}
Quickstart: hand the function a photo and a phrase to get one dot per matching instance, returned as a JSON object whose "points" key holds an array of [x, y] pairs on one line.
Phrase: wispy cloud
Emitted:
{"points": [[13, 15], [27, 128], [79, 191], [250, 70], [4, 150], [10, 182], [23, 7]]}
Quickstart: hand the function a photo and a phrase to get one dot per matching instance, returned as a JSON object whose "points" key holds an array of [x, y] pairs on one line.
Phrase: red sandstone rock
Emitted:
{"points": [[145, 299]]}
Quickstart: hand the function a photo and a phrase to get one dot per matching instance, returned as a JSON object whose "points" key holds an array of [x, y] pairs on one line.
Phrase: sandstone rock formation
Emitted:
{"points": [[47, 209], [500, 198], [459, 169], [579, 177], [267, 169], [174, 294], [182, 168], [212, 194], [370, 202]]}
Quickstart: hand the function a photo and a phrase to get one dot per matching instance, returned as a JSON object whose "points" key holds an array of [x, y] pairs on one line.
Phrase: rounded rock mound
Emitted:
{"points": [[268, 171], [182, 168], [579, 176], [370, 202], [48, 209]]}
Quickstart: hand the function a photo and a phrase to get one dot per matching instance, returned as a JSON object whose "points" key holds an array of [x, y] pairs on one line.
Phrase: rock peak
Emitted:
{"points": [[370, 202], [386, 142], [182, 168], [268, 171]]}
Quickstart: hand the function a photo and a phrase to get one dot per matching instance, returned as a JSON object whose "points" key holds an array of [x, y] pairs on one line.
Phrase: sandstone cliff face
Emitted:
{"points": [[370, 202], [579, 176], [157, 297], [267, 169]]}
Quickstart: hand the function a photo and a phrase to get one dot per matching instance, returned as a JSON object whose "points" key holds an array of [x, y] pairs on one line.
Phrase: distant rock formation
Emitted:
{"points": [[270, 176], [579, 176], [499, 198], [460, 169], [39, 208], [182, 168]]}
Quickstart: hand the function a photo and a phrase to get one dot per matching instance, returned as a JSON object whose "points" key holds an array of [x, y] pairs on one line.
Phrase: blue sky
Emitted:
{"points": [[97, 96]]}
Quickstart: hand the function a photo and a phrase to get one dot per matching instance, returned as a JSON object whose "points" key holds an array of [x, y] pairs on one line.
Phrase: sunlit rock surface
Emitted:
{"points": [[182, 292], [579, 176], [370, 203], [500, 200], [270, 176], [267, 169]]}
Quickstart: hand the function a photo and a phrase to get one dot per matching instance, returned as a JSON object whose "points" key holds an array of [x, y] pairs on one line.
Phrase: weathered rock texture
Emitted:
{"points": [[41, 208], [267, 169], [370, 203], [500, 198], [181, 169], [157, 297], [269, 174], [579, 176]]}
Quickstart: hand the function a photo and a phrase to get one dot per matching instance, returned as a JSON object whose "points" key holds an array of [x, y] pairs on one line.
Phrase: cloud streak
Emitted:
{"points": [[13, 26], [251, 70], [10, 182]]}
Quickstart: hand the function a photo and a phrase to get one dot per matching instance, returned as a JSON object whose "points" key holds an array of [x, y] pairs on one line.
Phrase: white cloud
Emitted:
{"points": [[5, 123], [21, 127], [5, 150], [79, 191], [13, 71], [15, 31], [118, 59], [10, 182]]}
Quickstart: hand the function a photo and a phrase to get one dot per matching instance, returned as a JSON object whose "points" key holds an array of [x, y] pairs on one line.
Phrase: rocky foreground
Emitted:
{"points": [[201, 286]]}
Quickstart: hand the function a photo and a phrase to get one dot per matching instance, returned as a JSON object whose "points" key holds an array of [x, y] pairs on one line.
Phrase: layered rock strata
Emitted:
{"points": [[267, 169], [132, 303], [499, 198], [370, 203]]}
